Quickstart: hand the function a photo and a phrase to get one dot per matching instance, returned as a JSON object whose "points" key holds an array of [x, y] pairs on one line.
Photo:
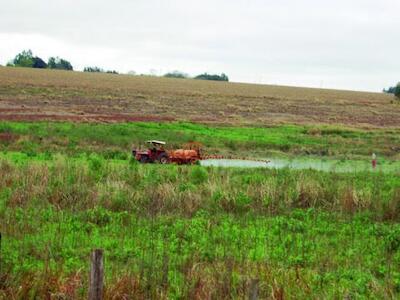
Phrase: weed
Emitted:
{"points": [[198, 175]]}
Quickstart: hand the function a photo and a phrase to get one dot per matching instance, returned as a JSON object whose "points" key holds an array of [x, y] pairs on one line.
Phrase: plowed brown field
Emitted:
{"points": [[32, 94]]}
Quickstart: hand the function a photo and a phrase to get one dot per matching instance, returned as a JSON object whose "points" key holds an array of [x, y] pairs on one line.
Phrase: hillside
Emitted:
{"points": [[32, 94]]}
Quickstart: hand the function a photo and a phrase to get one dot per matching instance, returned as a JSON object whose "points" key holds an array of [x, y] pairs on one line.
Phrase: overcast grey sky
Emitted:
{"points": [[347, 44]]}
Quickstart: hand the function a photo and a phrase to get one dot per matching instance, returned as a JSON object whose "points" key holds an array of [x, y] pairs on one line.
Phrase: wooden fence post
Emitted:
{"points": [[253, 290], [0, 256], [96, 275]]}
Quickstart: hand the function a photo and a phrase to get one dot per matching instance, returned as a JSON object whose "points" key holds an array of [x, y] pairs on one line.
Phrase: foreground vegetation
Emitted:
{"points": [[191, 232], [194, 232]]}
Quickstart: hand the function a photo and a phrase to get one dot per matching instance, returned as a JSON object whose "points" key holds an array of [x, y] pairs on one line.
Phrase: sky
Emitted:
{"points": [[339, 44]]}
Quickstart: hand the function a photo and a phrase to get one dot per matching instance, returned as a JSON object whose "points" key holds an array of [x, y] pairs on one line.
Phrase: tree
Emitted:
{"points": [[176, 74], [27, 60], [395, 90], [98, 70], [93, 69], [24, 59], [39, 63], [206, 76], [389, 90], [59, 64]]}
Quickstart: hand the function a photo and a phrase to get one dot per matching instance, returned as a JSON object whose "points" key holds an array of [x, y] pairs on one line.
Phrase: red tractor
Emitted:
{"points": [[155, 153]]}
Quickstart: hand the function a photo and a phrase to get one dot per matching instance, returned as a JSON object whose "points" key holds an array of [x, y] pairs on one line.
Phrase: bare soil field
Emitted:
{"points": [[33, 94]]}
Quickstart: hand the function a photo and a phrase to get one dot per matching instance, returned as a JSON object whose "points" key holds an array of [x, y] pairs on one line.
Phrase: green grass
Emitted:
{"points": [[115, 140], [188, 231], [307, 254], [191, 232]]}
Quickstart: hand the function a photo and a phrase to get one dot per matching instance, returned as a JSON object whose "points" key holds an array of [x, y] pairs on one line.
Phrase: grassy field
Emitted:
{"points": [[197, 233], [191, 232], [31, 94], [68, 185], [116, 140]]}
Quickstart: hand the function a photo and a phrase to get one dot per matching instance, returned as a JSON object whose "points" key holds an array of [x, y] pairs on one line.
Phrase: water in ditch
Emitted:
{"points": [[327, 165]]}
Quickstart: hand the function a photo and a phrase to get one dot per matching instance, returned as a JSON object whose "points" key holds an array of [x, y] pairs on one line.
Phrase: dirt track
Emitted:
{"points": [[30, 115]]}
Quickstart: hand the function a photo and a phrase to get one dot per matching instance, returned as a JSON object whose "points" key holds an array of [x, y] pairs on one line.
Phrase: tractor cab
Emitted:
{"points": [[154, 153]]}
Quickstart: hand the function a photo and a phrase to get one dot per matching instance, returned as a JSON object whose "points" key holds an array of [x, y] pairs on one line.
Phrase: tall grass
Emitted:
{"points": [[197, 233], [301, 255], [185, 190]]}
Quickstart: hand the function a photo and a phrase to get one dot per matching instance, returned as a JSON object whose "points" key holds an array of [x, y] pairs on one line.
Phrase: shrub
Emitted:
{"points": [[95, 162], [98, 70], [27, 60], [397, 91], [115, 154], [59, 64], [39, 63], [242, 202], [23, 59], [206, 76], [98, 215], [199, 175], [176, 74], [93, 70]]}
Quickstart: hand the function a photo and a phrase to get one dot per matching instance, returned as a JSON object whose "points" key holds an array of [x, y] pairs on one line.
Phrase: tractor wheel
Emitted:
{"points": [[143, 159], [163, 159]]}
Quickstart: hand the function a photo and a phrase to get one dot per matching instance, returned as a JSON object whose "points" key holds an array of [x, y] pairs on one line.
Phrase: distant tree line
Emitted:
{"points": [[176, 74], [395, 90], [98, 70], [215, 77], [28, 60], [204, 76]]}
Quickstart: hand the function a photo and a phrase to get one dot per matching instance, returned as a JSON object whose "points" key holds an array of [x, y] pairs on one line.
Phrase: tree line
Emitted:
{"points": [[98, 70], [395, 90], [28, 60], [204, 76]]}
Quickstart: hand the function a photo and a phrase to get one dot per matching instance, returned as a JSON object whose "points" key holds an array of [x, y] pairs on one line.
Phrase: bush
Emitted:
{"points": [[176, 74], [23, 59], [199, 175], [27, 60], [59, 64], [98, 70], [39, 63], [115, 154], [215, 77], [395, 90], [95, 162], [93, 70]]}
